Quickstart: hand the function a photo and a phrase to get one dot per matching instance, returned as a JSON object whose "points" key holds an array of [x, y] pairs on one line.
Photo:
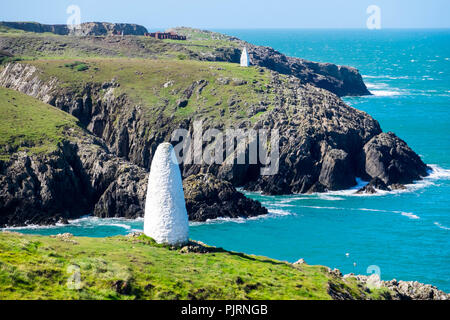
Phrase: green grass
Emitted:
{"points": [[38, 267], [51, 46], [142, 80], [77, 66], [202, 46], [193, 34], [5, 60], [26, 124], [5, 29]]}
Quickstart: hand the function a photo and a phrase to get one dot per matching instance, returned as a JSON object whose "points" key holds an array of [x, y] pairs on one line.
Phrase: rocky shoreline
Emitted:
{"points": [[395, 290], [402, 290]]}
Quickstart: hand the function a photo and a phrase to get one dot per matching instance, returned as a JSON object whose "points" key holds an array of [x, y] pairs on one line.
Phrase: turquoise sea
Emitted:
{"points": [[403, 235]]}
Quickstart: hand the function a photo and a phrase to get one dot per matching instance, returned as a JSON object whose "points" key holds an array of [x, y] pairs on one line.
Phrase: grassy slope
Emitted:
{"points": [[36, 267], [26, 124], [48, 45], [143, 81]]}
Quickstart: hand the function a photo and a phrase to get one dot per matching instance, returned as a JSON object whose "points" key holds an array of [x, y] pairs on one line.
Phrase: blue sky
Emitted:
{"points": [[236, 13]]}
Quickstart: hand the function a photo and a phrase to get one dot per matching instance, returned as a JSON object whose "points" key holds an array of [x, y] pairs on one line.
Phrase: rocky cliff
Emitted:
{"points": [[47, 180], [84, 29], [52, 170], [208, 197], [341, 80], [324, 144]]}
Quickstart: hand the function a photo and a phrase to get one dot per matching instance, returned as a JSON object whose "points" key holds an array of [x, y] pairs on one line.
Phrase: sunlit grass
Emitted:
{"points": [[36, 267]]}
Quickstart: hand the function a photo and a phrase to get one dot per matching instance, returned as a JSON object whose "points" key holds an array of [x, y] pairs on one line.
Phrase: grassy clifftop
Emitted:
{"points": [[37, 267], [179, 87], [26, 124]]}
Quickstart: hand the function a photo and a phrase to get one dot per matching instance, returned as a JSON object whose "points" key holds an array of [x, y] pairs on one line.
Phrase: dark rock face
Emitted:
{"points": [[68, 183], [335, 172], [208, 198], [125, 196], [85, 29], [341, 80], [320, 142], [374, 185], [36, 191], [390, 159]]}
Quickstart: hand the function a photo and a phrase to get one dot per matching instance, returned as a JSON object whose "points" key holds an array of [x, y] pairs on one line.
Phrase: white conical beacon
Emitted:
{"points": [[245, 59], [166, 219]]}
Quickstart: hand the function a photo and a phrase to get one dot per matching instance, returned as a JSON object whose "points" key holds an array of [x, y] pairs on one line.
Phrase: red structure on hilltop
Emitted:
{"points": [[165, 35]]}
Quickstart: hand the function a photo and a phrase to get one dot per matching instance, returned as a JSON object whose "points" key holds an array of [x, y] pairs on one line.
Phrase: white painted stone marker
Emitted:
{"points": [[245, 59], [166, 219]]}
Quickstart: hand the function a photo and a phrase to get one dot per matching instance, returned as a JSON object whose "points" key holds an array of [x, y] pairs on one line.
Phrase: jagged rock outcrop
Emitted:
{"points": [[335, 172], [390, 159], [413, 290], [372, 187], [341, 80], [68, 183], [84, 29], [401, 290], [125, 196], [208, 197]]}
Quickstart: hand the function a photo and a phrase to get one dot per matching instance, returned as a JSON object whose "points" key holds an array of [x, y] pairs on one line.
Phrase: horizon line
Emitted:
{"points": [[251, 28]]}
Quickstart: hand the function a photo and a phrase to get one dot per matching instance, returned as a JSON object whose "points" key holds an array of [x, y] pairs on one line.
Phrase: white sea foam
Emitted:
{"points": [[410, 215], [285, 205], [386, 93], [375, 86], [380, 89], [327, 197], [403, 213], [119, 225], [437, 172], [33, 227], [272, 214], [386, 77], [434, 174], [326, 208], [84, 222], [441, 226], [279, 212]]}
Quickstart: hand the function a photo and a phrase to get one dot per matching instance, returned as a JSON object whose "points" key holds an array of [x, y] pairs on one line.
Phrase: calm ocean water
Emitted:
{"points": [[404, 235]]}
